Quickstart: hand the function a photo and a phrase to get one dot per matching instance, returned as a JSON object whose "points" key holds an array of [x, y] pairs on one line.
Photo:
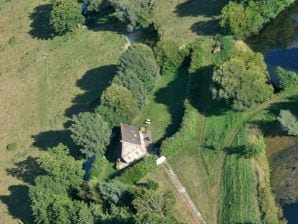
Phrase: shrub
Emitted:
{"points": [[226, 44], [169, 56], [288, 121], [138, 170], [187, 132], [11, 146], [286, 78]]}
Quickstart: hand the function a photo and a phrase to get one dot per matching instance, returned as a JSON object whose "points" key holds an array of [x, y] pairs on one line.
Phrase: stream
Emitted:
{"points": [[278, 41]]}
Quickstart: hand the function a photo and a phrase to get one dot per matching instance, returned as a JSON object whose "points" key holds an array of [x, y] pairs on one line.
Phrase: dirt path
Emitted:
{"points": [[183, 194]]}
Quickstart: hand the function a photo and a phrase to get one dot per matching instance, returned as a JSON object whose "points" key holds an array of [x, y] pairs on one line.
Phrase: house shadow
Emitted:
{"points": [[26, 170], [40, 25], [18, 203], [204, 8], [93, 83]]}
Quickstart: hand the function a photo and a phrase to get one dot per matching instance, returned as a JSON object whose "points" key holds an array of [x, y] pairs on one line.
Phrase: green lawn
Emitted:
{"points": [[165, 107], [185, 20]]}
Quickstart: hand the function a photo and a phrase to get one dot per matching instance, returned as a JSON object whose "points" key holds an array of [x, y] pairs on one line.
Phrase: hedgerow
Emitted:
{"points": [[138, 170], [186, 133]]}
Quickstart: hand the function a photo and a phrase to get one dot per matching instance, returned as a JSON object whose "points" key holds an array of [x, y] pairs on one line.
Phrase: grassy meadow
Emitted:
{"points": [[44, 81]]}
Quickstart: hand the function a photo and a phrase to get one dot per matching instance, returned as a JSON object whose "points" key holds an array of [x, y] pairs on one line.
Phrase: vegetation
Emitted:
{"points": [[244, 18], [137, 171], [288, 121], [49, 196], [186, 133], [138, 72], [136, 14], [238, 198], [210, 135], [242, 81], [169, 56], [91, 132], [120, 100], [65, 15], [286, 78]]}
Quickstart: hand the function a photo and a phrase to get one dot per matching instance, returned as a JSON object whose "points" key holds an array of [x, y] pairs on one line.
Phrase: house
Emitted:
{"points": [[134, 144]]}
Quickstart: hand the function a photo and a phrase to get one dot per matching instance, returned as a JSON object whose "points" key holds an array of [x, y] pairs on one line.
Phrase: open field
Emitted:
{"points": [[185, 20], [43, 82]]}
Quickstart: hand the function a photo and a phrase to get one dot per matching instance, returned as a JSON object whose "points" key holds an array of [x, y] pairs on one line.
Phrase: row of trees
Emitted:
{"points": [[245, 17], [60, 196], [137, 72], [66, 14]]}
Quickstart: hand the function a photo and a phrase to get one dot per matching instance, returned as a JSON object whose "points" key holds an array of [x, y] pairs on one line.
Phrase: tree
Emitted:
{"points": [[286, 78], [151, 201], [110, 116], [169, 56], [288, 121], [138, 61], [91, 132], [136, 13], [242, 80], [62, 167], [113, 192], [120, 100], [65, 15], [50, 195]]}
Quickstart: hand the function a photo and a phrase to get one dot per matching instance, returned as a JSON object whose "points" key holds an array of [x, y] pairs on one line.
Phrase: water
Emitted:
{"points": [[278, 41]]}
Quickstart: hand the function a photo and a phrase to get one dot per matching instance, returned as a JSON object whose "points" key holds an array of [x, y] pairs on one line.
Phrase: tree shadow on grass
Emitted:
{"points": [[209, 27], [93, 83], [173, 96], [40, 25], [200, 93], [26, 170], [204, 8], [18, 203], [52, 138]]}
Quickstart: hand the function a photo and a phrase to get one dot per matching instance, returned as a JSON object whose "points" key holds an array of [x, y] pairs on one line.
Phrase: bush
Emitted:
{"points": [[286, 78], [186, 133], [138, 170], [226, 44], [169, 56], [11, 146], [288, 121]]}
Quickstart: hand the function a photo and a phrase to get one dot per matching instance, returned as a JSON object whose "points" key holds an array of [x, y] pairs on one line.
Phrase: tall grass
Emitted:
{"points": [[238, 197]]}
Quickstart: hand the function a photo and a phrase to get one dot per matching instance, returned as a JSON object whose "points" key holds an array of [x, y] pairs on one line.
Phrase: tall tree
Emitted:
{"points": [[91, 132], [65, 15], [120, 100], [136, 13], [242, 80]]}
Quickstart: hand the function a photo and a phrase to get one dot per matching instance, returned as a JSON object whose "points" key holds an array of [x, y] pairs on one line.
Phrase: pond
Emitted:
{"points": [[278, 41]]}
